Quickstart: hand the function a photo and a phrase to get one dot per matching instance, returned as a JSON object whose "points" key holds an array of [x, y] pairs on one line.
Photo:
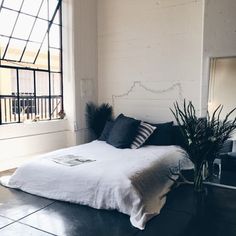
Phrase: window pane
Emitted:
{"points": [[31, 52], [27, 101], [15, 49], [57, 19], [42, 108], [3, 44], [42, 93], [24, 44], [8, 84], [55, 60], [55, 84], [26, 82], [52, 8], [7, 21], [13, 4], [44, 11], [56, 99], [40, 29], [30, 8], [42, 84], [23, 26], [42, 59], [56, 106], [8, 87], [55, 36]]}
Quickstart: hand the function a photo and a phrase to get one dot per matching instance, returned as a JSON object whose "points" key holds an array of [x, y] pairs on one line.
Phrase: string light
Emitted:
{"points": [[140, 84]]}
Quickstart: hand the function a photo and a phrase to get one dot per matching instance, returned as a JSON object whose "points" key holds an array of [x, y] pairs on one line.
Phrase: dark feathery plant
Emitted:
{"points": [[97, 116], [204, 137]]}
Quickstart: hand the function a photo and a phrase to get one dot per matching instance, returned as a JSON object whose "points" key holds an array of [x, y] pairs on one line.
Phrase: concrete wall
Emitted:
{"points": [[149, 55]]}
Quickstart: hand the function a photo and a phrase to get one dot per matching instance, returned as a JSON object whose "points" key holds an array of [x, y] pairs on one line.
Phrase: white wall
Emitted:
{"points": [[18, 140], [85, 61], [149, 53], [219, 37], [80, 64], [156, 43]]}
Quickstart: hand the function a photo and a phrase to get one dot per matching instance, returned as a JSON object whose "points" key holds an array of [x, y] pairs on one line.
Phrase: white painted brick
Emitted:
{"points": [[155, 42]]}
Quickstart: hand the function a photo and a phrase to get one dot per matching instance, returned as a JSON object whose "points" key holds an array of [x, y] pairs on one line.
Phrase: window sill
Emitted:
{"points": [[31, 129]]}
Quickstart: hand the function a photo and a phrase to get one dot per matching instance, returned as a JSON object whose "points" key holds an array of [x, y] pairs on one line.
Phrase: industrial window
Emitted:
{"points": [[31, 83]]}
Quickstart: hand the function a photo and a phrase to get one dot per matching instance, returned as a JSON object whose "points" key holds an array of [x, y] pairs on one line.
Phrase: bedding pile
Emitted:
{"points": [[132, 181]]}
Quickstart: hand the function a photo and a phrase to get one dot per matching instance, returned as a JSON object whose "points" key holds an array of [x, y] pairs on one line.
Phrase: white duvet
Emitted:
{"points": [[132, 181]]}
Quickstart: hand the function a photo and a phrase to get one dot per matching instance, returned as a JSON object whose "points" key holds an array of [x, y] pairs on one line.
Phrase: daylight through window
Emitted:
{"points": [[31, 85]]}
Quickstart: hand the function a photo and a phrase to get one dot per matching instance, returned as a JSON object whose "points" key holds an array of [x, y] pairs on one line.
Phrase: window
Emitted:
{"points": [[31, 83]]}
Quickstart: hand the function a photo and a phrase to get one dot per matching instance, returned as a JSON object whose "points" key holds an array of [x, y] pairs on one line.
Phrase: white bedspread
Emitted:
{"points": [[132, 181]]}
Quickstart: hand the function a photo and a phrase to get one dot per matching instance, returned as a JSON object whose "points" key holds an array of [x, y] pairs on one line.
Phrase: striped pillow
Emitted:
{"points": [[143, 133]]}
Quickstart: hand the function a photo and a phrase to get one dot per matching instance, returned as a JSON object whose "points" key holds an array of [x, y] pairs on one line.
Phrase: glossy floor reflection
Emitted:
{"points": [[4, 221], [15, 204], [25, 214], [18, 229], [70, 219]]}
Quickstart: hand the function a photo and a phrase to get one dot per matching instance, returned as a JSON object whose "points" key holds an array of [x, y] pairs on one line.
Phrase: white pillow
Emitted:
{"points": [[144, 132]]}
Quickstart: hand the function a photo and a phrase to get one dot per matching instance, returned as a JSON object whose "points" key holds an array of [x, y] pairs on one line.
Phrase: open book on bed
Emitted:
{"points": [[71, 160]]}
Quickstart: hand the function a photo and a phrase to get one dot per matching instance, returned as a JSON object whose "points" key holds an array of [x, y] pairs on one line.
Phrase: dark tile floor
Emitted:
{"points": [[25, 214], [22, 214]]}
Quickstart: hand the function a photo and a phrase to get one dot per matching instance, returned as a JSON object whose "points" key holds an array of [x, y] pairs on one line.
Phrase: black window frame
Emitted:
{"points": [[14, 101]]}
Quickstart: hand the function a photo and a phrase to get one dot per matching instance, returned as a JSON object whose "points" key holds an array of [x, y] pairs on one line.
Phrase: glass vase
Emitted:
{"points": [[198, 178]]}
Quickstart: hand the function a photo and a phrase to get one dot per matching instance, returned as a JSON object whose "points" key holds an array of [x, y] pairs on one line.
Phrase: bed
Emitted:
{"points": [[132, 181]]}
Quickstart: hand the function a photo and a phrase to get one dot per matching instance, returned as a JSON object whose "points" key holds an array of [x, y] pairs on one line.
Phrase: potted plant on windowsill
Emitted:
{"points": [[204, 136]]}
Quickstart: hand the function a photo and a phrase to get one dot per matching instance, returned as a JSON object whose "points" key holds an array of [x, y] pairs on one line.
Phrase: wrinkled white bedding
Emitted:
{"points": [[132, 181]]}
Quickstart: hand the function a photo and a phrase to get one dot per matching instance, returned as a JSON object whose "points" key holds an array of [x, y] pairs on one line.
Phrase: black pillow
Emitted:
{"points": [[123, 131], [106, 131], [162, 135], [178, 138]]}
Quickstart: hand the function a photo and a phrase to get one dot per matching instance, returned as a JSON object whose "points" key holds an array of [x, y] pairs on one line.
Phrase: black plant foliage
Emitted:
{"points": [[97, 117], [204, 136]]}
